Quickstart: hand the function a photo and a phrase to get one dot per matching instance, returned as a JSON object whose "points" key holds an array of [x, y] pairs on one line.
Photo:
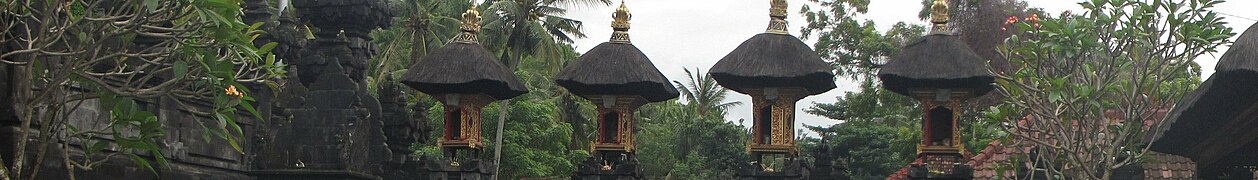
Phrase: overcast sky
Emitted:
{"points": [[689, 34]]}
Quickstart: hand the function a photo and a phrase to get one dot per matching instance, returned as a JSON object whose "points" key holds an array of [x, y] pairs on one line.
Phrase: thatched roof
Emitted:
{"points": [[773, 60], [1243, 55], [463, 68], [936, 61], [616, 69], [1219, 100], [1216, 107]]}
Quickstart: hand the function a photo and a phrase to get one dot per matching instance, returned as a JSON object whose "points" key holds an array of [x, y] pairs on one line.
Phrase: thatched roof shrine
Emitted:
{"points": [[616, 67], [463, 66], [936, 61], [774, 59]]}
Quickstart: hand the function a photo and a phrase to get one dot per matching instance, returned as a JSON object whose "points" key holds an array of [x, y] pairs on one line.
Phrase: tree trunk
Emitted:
{"points": [[502, 117]]}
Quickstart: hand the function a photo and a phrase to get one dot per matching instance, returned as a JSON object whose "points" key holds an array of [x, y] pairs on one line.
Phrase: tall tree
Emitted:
{"points": [[704, 95], [850, 45], [978, 23], [706, 101], [534, 28], [419, 27], [1091, 84], [885, 123], [675, 142]]}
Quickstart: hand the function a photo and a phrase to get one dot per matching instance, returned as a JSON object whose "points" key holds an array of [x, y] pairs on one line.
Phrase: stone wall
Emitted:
{"points": [[190, 155], [323, 124]]}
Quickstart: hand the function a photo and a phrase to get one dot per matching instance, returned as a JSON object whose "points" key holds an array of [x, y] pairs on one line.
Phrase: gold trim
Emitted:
{"points": [[777, 8], [939, 16], [777, 15], [620, 24], [470, 26]]}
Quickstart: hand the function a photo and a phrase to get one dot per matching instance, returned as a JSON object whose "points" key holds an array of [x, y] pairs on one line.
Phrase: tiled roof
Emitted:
{"points": [[1169, 167], [903, 173], [987, 163]]}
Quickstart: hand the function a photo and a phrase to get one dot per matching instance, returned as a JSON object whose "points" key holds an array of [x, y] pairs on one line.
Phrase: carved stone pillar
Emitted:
{"points": [[330, 127]]}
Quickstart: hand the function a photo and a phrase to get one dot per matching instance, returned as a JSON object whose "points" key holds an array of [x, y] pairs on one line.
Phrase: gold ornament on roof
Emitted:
{"points": [[777, 8], [777, 13], [470, 25], [620, 24], [939, 15]]}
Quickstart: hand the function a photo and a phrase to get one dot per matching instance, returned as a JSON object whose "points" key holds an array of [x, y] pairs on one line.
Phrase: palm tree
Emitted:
{"points": [[705, 99], [420, 26], [703, 95], [534, 28]]}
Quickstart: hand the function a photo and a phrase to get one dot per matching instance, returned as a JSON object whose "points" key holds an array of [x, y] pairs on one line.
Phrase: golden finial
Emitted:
{"points": [[939, 15], [777, 8], [620, 24], [471, 25], [777, 13]]}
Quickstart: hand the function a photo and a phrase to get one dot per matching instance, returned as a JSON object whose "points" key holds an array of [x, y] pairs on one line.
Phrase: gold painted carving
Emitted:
{"points": [[626, 127], [954, 104], [470, 25], [777, 8], [783, 109], [620, 24], [939, 15], [777, 15]]}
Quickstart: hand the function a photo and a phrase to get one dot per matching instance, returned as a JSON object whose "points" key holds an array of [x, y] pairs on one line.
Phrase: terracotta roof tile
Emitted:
{"points": [[985, 164], [1169, 167], [903, 173]]}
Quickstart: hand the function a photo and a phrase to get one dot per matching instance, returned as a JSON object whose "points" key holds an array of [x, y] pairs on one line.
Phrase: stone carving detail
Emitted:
{"points": [[341, 130]]}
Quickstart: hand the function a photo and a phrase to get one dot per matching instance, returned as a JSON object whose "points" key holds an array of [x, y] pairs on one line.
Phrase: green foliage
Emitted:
{"points": [[419, 27], [675, 142], [691, 140], [880, 128], [1081, 73], [866, 150], [120, 52], [878, 137], [853, 47], [871, 104], [132, 129], [703, 95], [535, 144]]}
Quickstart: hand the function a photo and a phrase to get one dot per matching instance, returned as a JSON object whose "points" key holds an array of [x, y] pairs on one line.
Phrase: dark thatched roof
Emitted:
{"points": [[1218, 101], [616, 69], [462, 68], [1243, 55], [774, 60], [1216, 106], [936, 61]]}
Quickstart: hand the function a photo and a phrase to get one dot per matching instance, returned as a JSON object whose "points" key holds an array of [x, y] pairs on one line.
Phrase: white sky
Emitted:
{"points": [[690, 34]]}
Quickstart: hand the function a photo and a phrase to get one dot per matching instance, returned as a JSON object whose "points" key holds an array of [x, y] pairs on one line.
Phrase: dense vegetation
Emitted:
{"points": [[545, 133]]}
